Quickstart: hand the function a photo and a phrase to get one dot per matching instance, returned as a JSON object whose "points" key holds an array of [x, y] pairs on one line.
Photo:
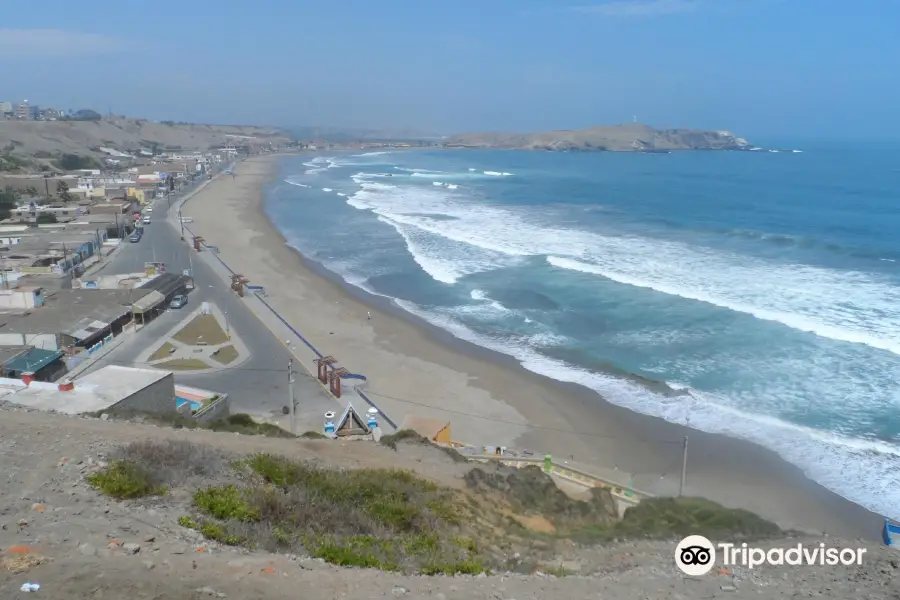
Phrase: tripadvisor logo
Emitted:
{"points": [[695, 555]]}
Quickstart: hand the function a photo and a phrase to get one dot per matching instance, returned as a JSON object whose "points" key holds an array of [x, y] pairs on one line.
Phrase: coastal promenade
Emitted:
{"points": [[259, 385], [294, 344]]}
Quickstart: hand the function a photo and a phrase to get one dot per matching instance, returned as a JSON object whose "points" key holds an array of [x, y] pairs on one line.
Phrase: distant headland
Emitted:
{"points": [[611, 138]]}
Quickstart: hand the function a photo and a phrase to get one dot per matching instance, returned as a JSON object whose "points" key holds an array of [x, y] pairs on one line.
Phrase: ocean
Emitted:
{"points": [[753, 294]]}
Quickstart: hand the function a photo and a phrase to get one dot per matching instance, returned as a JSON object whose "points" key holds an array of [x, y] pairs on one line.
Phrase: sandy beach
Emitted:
{"points": [[415, 368]]}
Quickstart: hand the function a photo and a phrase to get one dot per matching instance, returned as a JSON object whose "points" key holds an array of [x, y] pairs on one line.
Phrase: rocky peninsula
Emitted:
{"points": [[612, 138]]}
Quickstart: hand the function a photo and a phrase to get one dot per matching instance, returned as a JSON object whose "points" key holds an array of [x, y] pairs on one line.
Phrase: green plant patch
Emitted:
{"points": [[124, 480]]}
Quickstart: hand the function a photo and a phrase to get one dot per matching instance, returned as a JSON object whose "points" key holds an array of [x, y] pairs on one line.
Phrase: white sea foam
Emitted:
{"points": [[802, 297], [342, 194], [482, 296], [497, 174], [297, 183], [408, 170], [375, 153], [327, 190], [849, 306], [316, 165], [831, 459]]}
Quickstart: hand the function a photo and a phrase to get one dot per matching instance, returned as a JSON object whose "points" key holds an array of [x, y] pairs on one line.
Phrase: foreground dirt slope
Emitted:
{"points": [[93, 547]]}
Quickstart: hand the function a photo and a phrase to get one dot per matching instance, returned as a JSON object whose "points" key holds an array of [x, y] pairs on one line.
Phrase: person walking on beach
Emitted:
{"points": [[368, 315]]}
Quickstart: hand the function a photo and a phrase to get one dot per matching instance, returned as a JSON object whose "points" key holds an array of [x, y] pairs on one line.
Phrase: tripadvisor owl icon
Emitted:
{"points": [[695, 555]]}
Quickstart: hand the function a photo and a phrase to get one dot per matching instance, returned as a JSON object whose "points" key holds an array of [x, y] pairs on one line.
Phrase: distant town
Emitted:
{"points": [[25, 111]]}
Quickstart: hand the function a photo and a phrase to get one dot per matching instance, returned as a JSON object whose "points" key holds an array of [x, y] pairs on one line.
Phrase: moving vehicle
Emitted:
{"points": [[136, 236], [149, 209], [146, 219], [178, 301]]}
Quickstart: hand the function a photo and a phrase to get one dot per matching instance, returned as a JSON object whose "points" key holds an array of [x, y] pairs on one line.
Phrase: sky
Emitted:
{"points": [[825, 69]]}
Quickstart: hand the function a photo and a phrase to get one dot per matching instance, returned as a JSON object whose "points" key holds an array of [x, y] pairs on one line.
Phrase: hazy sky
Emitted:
{"points": [[819, 68]]}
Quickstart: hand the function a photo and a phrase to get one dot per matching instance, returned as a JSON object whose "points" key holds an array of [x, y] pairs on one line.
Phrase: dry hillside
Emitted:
{"points": [[47, 139], [217, 515]]}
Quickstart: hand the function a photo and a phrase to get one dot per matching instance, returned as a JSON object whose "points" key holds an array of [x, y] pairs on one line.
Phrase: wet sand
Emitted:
{"points": [[416, 368]]}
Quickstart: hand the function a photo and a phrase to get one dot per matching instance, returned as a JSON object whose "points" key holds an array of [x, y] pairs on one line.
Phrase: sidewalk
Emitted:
{"points": [[300, 348]]}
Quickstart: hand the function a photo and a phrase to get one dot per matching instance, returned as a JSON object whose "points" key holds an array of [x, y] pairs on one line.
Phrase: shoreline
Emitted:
{"points": [[489, 398]]}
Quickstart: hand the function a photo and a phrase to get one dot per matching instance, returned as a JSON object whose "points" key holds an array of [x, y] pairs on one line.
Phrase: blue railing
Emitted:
{"points": [[889, 528]]}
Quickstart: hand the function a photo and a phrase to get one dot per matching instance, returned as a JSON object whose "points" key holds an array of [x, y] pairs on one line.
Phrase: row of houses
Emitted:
{"points": [[47, 332]]}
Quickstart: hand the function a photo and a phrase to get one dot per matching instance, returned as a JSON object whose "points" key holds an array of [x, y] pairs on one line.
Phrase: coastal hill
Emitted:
{"points": [[29, 142], [614, 138]]}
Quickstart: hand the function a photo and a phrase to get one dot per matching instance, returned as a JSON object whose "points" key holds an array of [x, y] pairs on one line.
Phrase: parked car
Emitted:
{"points": [[135, 237], [146, 219], [178, 301]]}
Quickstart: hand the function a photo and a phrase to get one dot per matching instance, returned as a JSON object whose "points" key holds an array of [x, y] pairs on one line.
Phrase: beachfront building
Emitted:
{"points": [[32, 212], [25, 111]]}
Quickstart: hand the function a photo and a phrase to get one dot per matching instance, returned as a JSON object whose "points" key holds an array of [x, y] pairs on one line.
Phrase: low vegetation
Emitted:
{"points": [[124, 480], [383, 518], [225, 355], [11, 163], [204, 329], [147, 468], [162, 352], [411, 437], [236, 423], [244, 424], [184, 364], [668, 518], [394, 519], [73, 162]]}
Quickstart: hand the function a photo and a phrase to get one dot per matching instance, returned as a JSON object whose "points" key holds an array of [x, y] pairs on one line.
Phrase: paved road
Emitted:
{"points": [[258, 385]]}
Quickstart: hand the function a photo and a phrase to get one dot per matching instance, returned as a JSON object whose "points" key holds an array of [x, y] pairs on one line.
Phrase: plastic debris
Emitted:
{"points": [[30, 587]]}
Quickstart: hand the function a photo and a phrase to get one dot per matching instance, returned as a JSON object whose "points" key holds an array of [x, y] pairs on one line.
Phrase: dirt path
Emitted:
{"points": [[95, 548]]}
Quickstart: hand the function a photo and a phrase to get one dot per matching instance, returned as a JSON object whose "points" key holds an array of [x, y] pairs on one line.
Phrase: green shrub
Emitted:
{"points": [[225, 502], [188, 521], [124, 479], [381, 518], [403, 435], [669, 518]]}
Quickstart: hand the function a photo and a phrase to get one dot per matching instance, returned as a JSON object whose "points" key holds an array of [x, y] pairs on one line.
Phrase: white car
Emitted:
{"points": [[149, 209], [146, 219]]}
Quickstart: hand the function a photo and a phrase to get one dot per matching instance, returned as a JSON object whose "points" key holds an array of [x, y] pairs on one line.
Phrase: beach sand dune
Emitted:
{"points": [[413, 368]]}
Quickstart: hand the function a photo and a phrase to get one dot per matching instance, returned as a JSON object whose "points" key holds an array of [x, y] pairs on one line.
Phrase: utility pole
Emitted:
{"points": [[180, 220], [291, 396], [683, 467]]}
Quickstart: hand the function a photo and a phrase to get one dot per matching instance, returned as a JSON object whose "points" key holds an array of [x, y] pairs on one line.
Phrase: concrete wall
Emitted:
{"points": [[157, 397], [219, 409], [20, 299], [44, 341]]}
